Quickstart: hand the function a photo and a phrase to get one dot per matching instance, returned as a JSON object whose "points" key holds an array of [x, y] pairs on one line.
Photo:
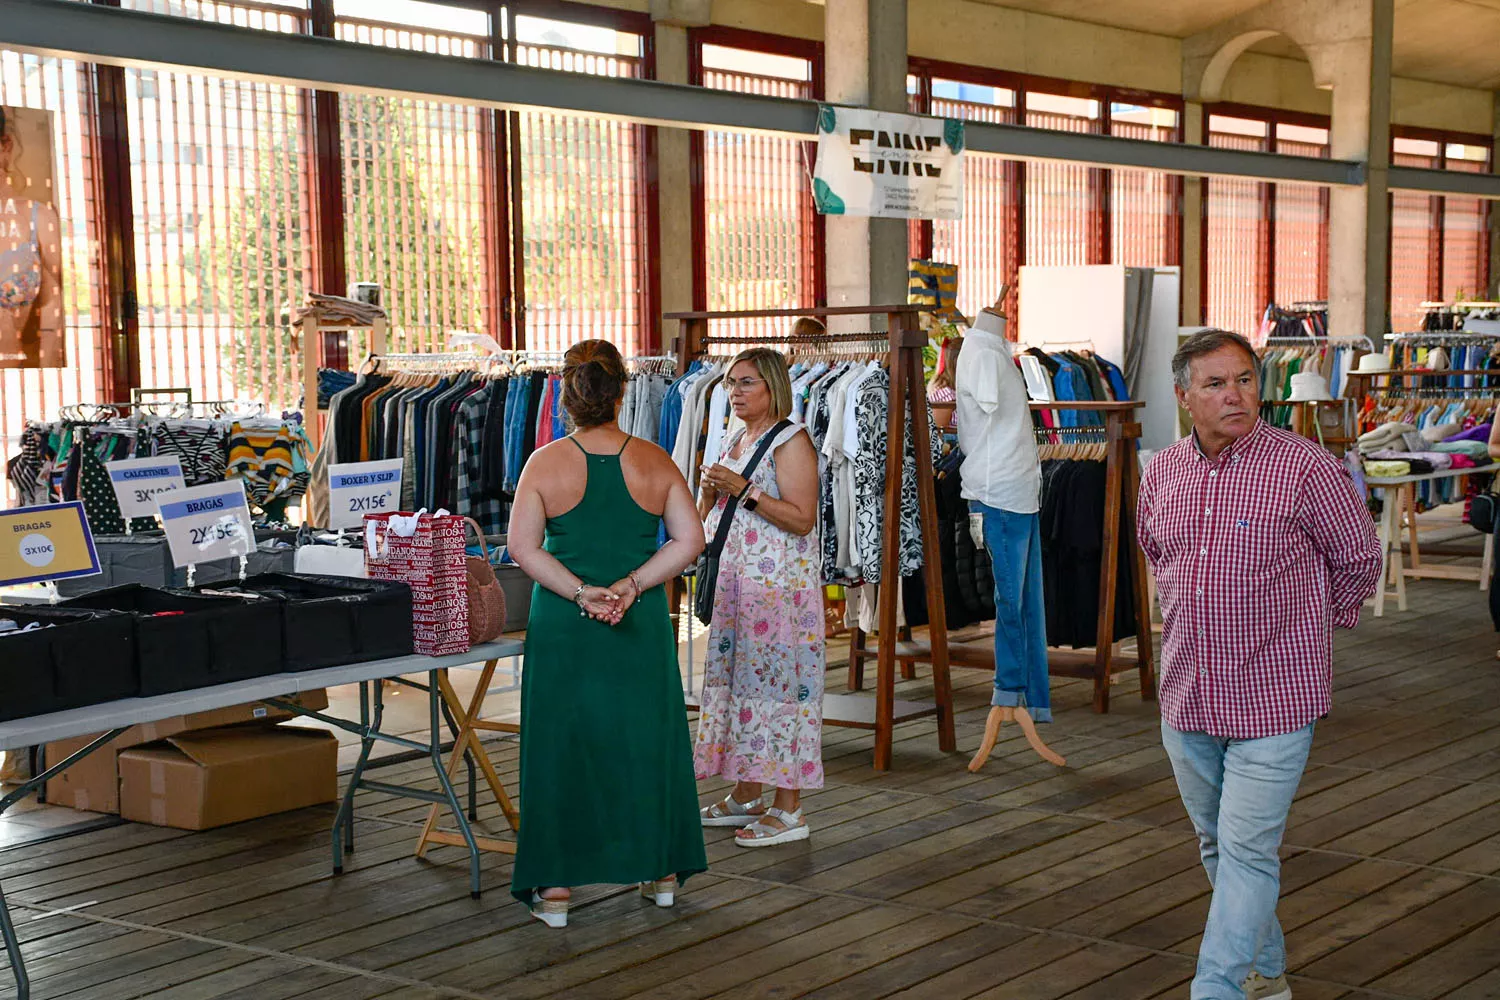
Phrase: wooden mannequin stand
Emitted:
{"points": [[1000, 714]]}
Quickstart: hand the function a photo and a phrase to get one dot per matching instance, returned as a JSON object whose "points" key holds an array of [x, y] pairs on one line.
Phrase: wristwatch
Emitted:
{"points": [[753, 500]]}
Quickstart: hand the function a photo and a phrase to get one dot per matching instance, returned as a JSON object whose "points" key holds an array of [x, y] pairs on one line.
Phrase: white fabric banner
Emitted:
{"points": [[888, 165]]}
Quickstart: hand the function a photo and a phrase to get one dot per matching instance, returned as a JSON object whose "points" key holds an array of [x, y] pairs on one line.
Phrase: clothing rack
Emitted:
{"points": [[905, 342], [311, 345], [1119, 433], [1324, 341]]}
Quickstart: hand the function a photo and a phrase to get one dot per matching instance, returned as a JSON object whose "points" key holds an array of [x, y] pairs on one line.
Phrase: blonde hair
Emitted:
{"points": [[771, 366]]}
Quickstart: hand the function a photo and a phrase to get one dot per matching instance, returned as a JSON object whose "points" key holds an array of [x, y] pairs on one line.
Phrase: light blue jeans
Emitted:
{"points": [[1238, 794], [1015, 544]]}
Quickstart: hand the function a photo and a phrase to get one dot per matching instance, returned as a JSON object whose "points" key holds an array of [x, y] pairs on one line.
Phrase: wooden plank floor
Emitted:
{"points": [[1023, 881]]}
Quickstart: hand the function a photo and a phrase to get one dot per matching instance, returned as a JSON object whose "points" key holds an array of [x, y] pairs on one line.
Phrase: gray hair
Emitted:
{"points": [[1207, 342]]}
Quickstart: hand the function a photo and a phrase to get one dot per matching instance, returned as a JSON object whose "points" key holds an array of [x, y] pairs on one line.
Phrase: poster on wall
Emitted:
{"points": [[31, 301], [889, 166]]}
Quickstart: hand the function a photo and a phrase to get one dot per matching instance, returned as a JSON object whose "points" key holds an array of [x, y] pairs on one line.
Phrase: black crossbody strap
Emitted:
{"points": [[722, 535]]}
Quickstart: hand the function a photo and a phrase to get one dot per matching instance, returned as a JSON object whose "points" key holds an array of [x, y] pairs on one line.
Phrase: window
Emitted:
{"points": [[1238, 251], [583, 202], [1301, 223], [414, 182], [1062, 206], [221, 193], [983, 243], [1145, 215], [1439, 244], [759, 244], [64, 88]]}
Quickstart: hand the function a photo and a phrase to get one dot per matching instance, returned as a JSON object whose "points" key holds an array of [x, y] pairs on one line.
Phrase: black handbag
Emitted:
{"points": [[1484, 512], [706, 574]]}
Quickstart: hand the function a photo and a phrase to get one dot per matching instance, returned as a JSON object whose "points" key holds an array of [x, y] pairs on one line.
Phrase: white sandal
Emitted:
{"points": [[762, 835], [552, 912], [663, 891], [729, 811]]}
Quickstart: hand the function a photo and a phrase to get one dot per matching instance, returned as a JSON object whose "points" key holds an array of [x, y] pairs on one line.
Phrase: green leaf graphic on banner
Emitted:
{"points": [[828, 202], [953, 135], [828, 118]]}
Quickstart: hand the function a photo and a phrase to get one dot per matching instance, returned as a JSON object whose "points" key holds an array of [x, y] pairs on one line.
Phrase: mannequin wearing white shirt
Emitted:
{"points": [[1001, 478]]}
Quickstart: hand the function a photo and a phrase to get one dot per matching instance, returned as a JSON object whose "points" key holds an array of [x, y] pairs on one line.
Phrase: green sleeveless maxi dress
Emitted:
{"points": [[607, 787]]}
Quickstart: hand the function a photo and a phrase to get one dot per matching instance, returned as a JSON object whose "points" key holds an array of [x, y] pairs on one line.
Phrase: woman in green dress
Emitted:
{"points": [[607, 787]]}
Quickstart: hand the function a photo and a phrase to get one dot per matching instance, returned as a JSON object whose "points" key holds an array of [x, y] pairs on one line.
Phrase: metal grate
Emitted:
{"points": [[983, 243], [758, 208], [221, 193], [1466, 243], [414, 196], [1236, 244], [1412, 239], [1301, 225], [65, 88], [1144, 213], [1058, 198], [583, 214]]}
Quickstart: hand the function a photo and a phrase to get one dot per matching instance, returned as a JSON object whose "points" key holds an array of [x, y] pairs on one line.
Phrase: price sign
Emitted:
{"points": [[204, 523], [50, 542], [137, 481], [359, 488]]}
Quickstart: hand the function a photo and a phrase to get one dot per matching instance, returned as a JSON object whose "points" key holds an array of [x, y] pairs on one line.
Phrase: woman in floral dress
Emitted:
{"points": [[761, 719]]}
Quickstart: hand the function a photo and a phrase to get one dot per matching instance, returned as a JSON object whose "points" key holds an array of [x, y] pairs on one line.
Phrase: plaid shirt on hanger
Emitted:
{"points": [[469, 436], [1258, 556]]}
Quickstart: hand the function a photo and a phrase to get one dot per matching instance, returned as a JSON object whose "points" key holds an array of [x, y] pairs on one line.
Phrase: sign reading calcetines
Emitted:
{"points": [[888, 165]]}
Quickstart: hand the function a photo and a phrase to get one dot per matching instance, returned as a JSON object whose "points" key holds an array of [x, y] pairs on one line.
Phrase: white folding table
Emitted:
{"points": [[1393, 563], [113, 718]]}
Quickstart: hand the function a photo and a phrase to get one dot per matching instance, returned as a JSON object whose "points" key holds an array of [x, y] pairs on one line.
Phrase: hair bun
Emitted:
{"points": [[593, 382]]}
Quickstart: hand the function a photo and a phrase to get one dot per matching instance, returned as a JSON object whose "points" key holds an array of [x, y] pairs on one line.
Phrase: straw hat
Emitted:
{"points": [[1375, 363]]}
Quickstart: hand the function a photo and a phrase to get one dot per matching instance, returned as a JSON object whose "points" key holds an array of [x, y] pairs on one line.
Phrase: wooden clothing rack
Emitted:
{"points": [[313, 419], [1121, 486], [905, 342]]}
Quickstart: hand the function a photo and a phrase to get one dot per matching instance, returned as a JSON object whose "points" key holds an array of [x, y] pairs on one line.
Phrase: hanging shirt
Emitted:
{"points": [[1000, 469]]}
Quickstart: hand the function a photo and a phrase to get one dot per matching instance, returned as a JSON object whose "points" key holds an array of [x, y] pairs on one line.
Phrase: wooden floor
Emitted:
{"points": [[925, 882]]}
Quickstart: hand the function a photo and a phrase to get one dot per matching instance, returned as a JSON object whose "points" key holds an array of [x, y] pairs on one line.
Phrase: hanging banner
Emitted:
{"points": [[359, 488], [137, 481], [50, 542], [888, 165], [205, 523]]}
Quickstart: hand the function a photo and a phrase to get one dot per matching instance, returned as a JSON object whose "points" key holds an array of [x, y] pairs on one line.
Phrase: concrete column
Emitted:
{"points": [[1359, 218], [865, 66], [674, 183], [1194, 128]]}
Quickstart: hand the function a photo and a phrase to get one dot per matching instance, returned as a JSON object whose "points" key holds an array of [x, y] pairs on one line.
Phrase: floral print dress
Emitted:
{"points": [[761, 718]]}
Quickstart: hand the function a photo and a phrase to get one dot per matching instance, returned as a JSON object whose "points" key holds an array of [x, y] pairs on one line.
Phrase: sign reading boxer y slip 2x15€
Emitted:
{"points": [[50, 542]]}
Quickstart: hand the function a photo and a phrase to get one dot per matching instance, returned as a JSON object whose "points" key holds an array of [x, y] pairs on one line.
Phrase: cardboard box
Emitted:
{"points": [[93, 784], [209, 778]]}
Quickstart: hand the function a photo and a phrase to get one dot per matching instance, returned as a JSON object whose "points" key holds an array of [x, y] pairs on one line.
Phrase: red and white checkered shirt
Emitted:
{"points": [[1258, 556]]}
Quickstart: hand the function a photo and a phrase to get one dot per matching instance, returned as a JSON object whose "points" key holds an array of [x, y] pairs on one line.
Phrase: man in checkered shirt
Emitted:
{"points": [[1261, 547]]}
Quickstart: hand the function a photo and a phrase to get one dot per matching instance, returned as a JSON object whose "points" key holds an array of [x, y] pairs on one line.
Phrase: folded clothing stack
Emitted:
{"points": [[1387, 470], [1386, 437]]}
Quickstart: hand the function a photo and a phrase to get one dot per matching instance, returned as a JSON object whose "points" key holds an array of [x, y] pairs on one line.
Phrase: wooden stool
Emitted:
{"points": [[470, 725]]}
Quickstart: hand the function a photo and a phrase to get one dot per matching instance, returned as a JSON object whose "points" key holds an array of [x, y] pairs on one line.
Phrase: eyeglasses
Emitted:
{"points": [[736, 384]]}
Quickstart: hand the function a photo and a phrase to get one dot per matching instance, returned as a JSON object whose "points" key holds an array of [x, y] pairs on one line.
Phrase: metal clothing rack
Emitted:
{"points": [[905, 342]]}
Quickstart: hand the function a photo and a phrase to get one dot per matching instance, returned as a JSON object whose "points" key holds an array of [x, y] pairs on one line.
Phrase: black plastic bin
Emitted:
{"points": [[332, 620], [185, 640], [85, 658]]}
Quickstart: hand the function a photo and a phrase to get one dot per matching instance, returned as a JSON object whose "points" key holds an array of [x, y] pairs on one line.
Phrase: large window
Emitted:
{"points": [[66, 89], [1439, 245], [1047, 213], [984, 242], [756, 222], [583, 201], [1265, 243], [414, 183]]}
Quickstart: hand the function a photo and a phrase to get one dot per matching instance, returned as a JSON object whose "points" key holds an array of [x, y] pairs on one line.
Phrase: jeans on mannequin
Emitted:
{"points": [[1014, 542]]}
